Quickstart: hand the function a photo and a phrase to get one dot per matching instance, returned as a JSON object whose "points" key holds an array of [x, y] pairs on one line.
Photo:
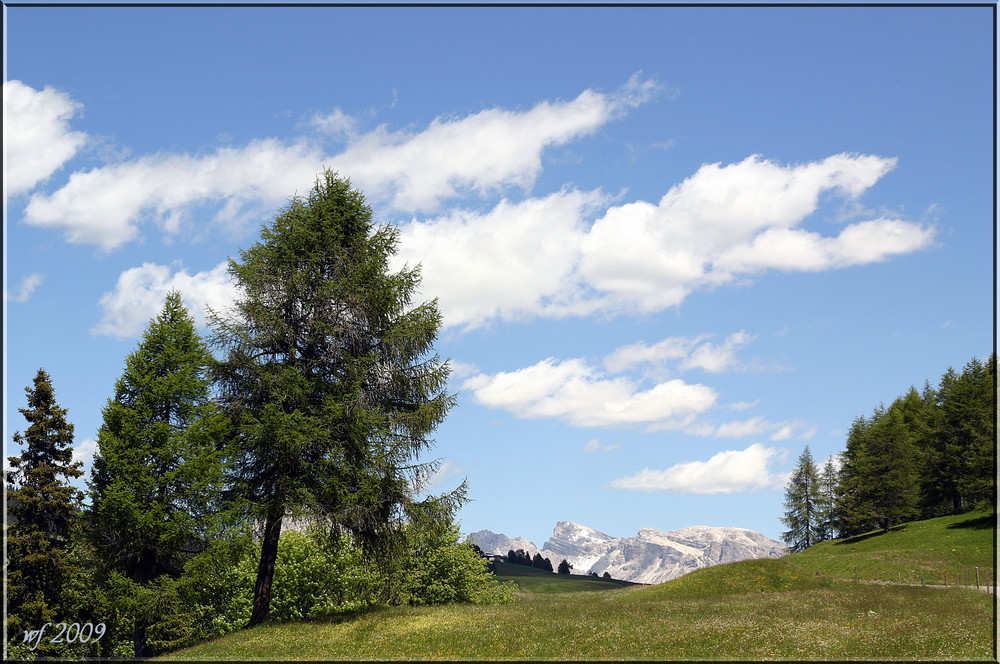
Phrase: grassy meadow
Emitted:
{"points": [[751, 610]]}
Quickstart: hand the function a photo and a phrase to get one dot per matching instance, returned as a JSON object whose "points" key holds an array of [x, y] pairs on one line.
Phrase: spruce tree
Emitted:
{"points": [[42, 507], [329, 379], [828, 521], [803, 503], [157, 474]]}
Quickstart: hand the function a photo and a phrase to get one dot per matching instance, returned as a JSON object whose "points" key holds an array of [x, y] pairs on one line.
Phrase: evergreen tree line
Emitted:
{"points": [[519, 557], [322, 394], [930, 453]]}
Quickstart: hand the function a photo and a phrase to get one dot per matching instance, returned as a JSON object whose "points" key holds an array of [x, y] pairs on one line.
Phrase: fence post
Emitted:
{"points": [[899, 576], [921, 578], [946, 579], [977, 578], [876, 574]]}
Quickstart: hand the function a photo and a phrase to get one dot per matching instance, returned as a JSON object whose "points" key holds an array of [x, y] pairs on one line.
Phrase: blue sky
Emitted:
{"points": [[672, 246]]}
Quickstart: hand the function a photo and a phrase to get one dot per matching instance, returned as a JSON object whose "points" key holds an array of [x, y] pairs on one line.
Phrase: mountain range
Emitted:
{"points": [[652, 556]]}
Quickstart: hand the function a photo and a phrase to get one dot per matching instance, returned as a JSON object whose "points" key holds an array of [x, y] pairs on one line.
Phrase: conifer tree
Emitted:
{"points": [[803, 503], [827, 523], [330, 379], [565, 567], [879, 474], [42, 509], [963, 447], [157, 475]]}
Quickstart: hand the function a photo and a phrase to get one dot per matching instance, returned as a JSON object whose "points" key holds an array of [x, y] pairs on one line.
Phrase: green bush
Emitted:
{"points": [[453, 572]]}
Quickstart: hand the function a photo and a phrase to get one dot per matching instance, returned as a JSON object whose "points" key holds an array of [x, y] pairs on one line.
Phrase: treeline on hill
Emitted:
{"points": [[930, 453], [520, 557], [325, 391]]}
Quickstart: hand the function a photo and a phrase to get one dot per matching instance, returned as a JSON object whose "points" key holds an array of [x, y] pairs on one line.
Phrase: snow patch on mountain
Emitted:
{"points": [[652, 556]]}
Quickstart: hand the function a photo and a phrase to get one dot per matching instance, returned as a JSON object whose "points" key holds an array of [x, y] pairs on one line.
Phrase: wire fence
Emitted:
{"points": [[969, 577]]}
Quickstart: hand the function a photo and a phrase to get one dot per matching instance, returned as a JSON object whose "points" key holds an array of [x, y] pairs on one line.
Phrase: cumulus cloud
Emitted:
{"points": [[37, 139], [726, 472], [722, 224], [725, 221], [410, 171], [584, 396], [140, 292], [104, 206], [25, 289], [514, 261]]}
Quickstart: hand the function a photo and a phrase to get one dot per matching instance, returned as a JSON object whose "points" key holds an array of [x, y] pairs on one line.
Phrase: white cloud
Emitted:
{"points": [[726, 472], [784, 430], [797, 429], [84, 451], [139, 294], [483, 152], [581, 395], [486, 151], [515, 261], [37, 139], [721, 224], [690, 353], [751, 427], [104, 206], [25, 289], [336, 123], [594, 445], [737, 219]]}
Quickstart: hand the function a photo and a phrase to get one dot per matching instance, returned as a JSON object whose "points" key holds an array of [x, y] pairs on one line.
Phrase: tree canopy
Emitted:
{"points": [[329, 377]]}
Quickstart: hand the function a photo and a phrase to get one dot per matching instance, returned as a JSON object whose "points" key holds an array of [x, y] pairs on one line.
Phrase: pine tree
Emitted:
{"points": [[565, 567], [880, 475], [802, 504], [964, 434], [829, 518], [42, 509], [330, 379], [157, 475]]}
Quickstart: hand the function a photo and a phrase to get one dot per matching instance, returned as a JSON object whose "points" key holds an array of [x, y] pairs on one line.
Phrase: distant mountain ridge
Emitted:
{"points": [[652, 556]]}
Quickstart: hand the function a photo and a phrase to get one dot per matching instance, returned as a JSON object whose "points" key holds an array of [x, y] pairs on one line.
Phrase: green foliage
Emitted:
{"points": [[930, 453], [453, 571], [329, 379], [803, 504], [157, 476], [41, 567]]}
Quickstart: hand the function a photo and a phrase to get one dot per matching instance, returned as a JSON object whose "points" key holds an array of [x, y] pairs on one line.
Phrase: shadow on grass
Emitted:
{"points": [[983, 522], [866, 536]]}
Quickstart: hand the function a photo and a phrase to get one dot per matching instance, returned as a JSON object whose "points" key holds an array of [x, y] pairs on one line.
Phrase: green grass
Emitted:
{"points": [[758, 609], [931, 548]]}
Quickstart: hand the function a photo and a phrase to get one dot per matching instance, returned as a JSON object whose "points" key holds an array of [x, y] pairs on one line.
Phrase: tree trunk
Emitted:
{"points": [[140, 645], [265, 570]]}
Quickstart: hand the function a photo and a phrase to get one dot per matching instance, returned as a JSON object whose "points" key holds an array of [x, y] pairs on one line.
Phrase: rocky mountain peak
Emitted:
{"points": [[652, 556]]}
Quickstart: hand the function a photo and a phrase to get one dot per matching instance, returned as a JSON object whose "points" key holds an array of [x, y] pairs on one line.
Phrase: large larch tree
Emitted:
{"points": [[329, 378]]}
